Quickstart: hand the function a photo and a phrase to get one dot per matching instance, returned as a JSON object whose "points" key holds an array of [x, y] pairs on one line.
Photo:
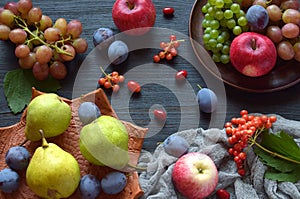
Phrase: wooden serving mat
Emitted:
{"points": [[69, 141]]}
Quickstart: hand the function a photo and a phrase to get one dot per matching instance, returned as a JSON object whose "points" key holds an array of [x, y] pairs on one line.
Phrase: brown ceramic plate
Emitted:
{"points": [[285, 74], [69, 141]]}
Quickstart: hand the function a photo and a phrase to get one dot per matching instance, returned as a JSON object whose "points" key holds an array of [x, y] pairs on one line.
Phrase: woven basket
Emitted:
{"points": [[69, 141]]}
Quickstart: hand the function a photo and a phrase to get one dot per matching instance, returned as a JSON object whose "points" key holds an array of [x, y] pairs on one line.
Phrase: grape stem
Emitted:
{"points": [[254, 142], [36, 37], [171, 43]]}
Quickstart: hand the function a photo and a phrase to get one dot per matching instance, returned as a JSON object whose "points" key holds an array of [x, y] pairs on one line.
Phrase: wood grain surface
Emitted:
{"points": [[97, 13]]}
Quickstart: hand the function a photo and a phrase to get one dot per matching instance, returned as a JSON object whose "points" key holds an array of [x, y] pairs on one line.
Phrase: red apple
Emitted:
{"points": [[195, 175], [253, 54], [138, 16]]}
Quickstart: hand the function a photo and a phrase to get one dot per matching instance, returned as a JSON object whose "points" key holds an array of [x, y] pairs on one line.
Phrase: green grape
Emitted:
{"points": [[214, 33], [221, 39], [219, 46], [237, 30], [219, 3], [204, 9], [209, 16], [235, 8], [206, 38], [216, 57], [231, 23], [212, 2], [214, 24], [228, 1], [245, 28], [223, 23], [207, 30], [212, 43], [226, 35], [241, 13], [211, 10], [228, 14], [242, 21], [207, 47], [205, 23], [219, 15], [225, 59], [225, 50]]}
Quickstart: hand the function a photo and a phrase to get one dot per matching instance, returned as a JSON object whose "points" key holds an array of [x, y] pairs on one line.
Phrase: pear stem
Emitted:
{"points": [[45, 143]]}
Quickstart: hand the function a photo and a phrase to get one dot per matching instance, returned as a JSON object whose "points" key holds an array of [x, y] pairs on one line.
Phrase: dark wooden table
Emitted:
{"points": [[159, 87]]}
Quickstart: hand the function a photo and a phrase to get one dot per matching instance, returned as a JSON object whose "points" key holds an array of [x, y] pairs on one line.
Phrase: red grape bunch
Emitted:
{"points": [[41, 45], [242, 131], [283, 27]]}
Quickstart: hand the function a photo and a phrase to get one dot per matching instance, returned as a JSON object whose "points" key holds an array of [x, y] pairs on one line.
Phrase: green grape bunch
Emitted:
{"points": [[223, 20], [41, 45]]}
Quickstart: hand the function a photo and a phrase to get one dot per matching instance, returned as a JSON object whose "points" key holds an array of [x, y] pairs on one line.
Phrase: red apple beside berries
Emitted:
{"points": [[195, 175], [135, 17], [253, 54]]}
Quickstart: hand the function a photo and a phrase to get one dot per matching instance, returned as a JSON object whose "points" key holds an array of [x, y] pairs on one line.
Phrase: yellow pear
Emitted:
{"points": [[105, 142], [49, 113], [52, 172]]}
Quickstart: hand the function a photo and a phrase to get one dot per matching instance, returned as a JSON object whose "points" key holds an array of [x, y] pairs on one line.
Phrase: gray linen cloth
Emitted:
{"points": [[156, 181]]}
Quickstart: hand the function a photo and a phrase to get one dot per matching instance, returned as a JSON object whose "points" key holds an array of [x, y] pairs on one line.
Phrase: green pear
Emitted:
{"points": [[52, 172], [47, 112], [105, 142]]}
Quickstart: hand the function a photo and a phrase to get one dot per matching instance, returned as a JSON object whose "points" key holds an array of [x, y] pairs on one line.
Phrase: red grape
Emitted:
{"points": [[80, 45], [22, 51], [24, 6], [290, 30], [4, 32], [274, 33], [17, 36], [285, 50], [71, 52], [58, 70], [43, 54], [61, 24], [52, 34], [27, 62], [40, 71], [74, 28], [34, 15]]}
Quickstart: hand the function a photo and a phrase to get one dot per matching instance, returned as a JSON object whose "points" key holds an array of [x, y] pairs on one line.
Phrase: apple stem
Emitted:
{"points": [[253, 44], [130, 4]]}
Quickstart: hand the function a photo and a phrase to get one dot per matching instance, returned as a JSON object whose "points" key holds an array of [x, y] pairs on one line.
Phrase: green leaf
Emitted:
{"points": [[293, 176], [281, 143], [274, 162], [18, 88]]}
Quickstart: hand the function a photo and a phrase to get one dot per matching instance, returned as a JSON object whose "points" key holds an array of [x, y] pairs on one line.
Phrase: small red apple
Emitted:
{"points": [[138, 16], [195, 175], [253, 54]]}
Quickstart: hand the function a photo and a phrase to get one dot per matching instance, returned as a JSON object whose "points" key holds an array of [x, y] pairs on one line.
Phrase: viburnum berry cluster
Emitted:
{"points": [[111, 80], [42, 45], [244, 130], [169, 49]]}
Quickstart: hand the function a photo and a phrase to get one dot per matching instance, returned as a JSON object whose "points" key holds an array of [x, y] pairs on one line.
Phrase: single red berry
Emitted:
{"points": [[156, 58], [168, 11], [181, 75], [101, 81], [172, 37], [222, 194], [160, 114], [241, 172], [169, 56], [115, 88], [133, 86], [121, 78]]}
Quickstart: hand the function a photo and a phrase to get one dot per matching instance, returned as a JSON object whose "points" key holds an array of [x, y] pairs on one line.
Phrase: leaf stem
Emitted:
{"points": [[253, 142]]}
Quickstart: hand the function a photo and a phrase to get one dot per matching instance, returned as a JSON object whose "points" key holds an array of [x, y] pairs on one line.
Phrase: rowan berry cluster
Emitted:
{"points": [[169, 49], [111, 80], [241, 131]]}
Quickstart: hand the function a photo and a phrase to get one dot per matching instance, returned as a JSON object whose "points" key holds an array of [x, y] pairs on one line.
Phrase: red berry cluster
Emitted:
{"points": [[111, 81], [240, 130], [169, 49]]}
